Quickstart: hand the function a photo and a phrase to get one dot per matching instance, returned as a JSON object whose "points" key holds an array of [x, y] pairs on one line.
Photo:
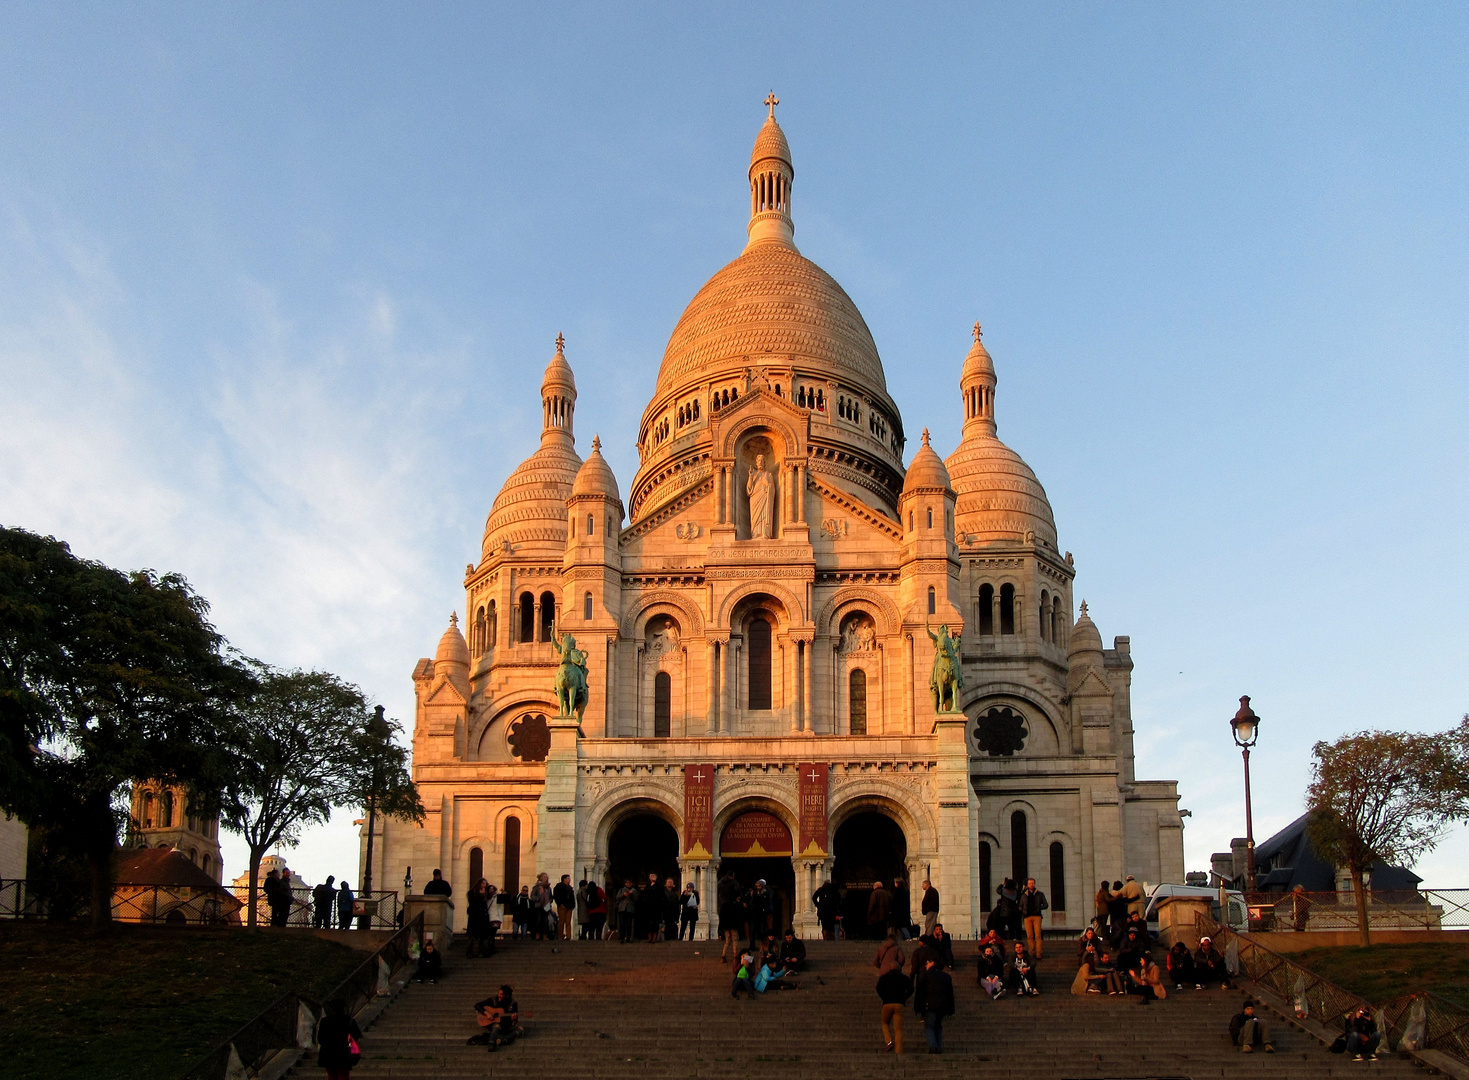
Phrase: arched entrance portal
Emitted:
{"points": [[757, 845], [641, 844], [868, 847]]}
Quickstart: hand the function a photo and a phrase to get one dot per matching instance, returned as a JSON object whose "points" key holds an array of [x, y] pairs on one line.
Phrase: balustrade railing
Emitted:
{"points": [[1387, 909], [379, 909], [1423, 1023], [289, 1022]]}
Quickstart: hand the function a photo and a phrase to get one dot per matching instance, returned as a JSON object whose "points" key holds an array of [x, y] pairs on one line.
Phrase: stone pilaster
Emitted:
{"points": [[556, 809], [957, 807]]}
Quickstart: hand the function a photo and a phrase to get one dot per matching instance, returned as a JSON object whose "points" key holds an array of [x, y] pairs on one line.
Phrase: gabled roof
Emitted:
{"points": [[1287, 859], [160, 866]]}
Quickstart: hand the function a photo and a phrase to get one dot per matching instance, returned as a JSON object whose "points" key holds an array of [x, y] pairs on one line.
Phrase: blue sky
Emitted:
{"points": [[278, 282]]}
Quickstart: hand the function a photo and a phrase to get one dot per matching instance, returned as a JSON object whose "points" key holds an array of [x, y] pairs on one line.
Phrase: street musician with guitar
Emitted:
{"points": [[500, 1017]]}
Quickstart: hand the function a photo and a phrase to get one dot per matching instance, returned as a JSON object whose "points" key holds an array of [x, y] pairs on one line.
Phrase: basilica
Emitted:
{"points": [[805, 660]]}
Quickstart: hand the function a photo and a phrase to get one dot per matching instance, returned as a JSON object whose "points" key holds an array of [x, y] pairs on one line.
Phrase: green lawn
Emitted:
{"points": [[1382, 972], [144, 1002]]}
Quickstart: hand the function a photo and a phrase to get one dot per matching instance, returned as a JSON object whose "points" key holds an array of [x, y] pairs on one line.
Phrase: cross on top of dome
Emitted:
{"points": [[560, 343], [772, 101], [977, 332]]}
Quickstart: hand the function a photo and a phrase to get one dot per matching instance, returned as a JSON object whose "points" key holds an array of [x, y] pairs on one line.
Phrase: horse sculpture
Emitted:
{"points": [[571, 678], [947, 681]]}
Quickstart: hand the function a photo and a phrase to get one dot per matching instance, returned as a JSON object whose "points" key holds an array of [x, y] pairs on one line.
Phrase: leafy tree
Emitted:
{"points": [[299, 748], [386, 786], [1383, 796], [104, 677]]}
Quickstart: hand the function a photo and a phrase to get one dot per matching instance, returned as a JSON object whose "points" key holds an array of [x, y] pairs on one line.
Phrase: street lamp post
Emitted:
{"points": [[377, 730], [1246, 729]]}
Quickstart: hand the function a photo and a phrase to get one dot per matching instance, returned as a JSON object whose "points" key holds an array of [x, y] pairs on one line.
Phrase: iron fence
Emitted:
{"points": [[1387, 909], [1413, 1022], [131, 903], [289, 1022], [380, 909]]}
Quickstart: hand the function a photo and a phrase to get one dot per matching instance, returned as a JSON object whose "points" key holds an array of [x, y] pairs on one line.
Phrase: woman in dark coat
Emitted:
{"points": [[481, 931], [333, 1033]]}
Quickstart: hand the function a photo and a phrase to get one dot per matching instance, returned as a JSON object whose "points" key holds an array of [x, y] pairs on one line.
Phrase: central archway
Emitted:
{"points": [[756, 846], [641, 844], [869, 846]]}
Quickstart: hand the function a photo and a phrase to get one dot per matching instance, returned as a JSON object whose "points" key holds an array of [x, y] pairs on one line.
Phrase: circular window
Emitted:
{"points": [[1001, 732], [529, 737]]}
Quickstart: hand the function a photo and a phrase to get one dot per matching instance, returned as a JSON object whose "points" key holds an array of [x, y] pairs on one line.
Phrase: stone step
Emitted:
{"points": [[650, 1012]]}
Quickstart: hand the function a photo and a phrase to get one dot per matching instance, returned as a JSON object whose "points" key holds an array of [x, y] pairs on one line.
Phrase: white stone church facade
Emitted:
{"points": [[756, 623]]}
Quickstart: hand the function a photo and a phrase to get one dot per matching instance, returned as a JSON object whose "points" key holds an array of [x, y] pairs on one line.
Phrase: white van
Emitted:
{"points": [[1239, 912]]}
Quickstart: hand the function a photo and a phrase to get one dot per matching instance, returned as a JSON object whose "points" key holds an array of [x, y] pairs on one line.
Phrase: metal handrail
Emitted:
{"points": [[1387, 909], [289, 1022], [1412, 1022]]}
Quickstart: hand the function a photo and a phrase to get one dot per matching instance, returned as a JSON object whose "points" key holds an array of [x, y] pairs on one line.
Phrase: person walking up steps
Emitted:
{"points": [[340, 1040], [928, 907], [933, 999], [893, 990]]}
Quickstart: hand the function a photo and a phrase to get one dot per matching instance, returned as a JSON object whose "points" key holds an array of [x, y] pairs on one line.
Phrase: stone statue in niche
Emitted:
{"points": [[859, 634], [663, 636], [760, 489]]}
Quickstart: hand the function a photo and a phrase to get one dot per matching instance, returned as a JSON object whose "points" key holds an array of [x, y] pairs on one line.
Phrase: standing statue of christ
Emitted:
{"points": [[760, 487]]}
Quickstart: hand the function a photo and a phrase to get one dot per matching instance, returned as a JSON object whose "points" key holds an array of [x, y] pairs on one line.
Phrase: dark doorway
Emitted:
{"points": [[868, 847], [779, 877], [512, 856], [640, 845]]}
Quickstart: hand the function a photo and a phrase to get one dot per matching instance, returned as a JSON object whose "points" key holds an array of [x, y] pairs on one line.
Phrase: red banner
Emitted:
{"points": [[753, 835], [698, 811], [811, 790]]}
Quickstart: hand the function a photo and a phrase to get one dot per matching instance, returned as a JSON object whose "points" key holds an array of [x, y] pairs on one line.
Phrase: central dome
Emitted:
{"points": [[770, 304]]}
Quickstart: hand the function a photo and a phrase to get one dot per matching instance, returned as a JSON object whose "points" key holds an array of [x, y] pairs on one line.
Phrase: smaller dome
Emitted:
{"points": [[1085, 637], [771, 143], [595, 476], [558, 371], [926, 470], [453, 649]]}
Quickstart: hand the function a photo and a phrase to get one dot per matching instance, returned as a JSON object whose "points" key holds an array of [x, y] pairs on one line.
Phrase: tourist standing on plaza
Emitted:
{"points": [[543, 905], [933, 999], [596, 910], [671, 904], [522, 913], [345, 903], [480, 928], [688, 911], [901, 915], [757, 910], [565, 897], [1103, 904], [340, 1040], [928, 907], [650, 909], [1032, 903], [1136, 899], [626, 906], [893, 990], [731, 918], [879, 906], [321, 903], [828, 904], [583, 916]]}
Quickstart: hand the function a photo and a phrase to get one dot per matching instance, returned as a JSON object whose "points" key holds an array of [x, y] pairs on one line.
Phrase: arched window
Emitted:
{"points": [[492, 627], [512, 855], [207, 865], [571, 526], [759, 646], [1007, 609], [986, 611], [527, 617], [930, 517], [165, 810], [476, 868], [1056, 621], [145, 814], [1058, 876], [933, 601], [591, 525], [1019, 851], [986, 887], [1043, 616], [910, 520], [586, 607], [857, 701], [548, 615], [479, 631], [662, 705]]}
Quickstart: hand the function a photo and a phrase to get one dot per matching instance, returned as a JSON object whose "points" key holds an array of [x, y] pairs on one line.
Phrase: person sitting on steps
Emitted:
{"points": [[1209, 966], [1147, 980], [1248, 1031], [771, 976], [500, 1017], [792, 951], [1362, 1035], [430, 963], [1181, 965], [1020, 973], [992, 971], [744, 978]]}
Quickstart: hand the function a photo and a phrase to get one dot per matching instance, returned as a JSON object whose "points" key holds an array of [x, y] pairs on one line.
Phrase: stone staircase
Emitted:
{"points": [[647, 1012]]}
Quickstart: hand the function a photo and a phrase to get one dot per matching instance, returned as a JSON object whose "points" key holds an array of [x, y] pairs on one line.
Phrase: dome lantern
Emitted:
{"points": [[977, 384], [558, 396], [771, 174]]}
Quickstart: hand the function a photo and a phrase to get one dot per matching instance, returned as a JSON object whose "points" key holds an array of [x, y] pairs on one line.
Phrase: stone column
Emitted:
{"points": [[957, 807], [712, 719], [808, 694], [556, 808]]}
